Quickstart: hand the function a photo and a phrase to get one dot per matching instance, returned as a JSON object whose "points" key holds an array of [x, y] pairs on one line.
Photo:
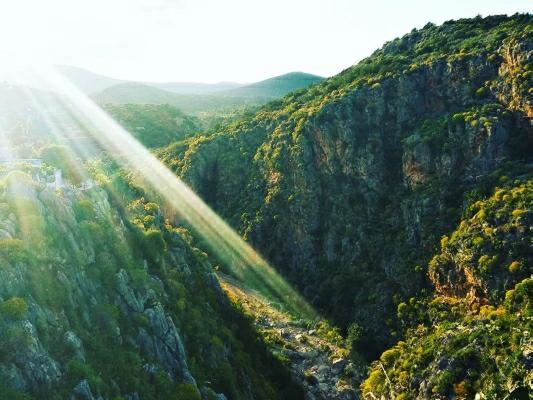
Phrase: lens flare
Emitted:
{"points": [[179, 200]]}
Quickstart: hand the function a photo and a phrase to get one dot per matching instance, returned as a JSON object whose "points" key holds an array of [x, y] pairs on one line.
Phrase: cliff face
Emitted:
{"points": [[348, 187], [95, 307], [471, 340]]}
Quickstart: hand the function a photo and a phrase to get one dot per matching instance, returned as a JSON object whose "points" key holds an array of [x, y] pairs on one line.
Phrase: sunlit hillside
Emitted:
{"points": [[364, 236]]}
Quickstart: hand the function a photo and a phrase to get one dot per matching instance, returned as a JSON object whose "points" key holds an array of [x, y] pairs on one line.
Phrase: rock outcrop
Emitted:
{"points": [[93, 307], [348, 187]]}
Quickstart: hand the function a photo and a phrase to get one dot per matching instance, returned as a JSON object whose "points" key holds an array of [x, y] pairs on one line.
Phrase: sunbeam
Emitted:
{"points": [[238, 256]]}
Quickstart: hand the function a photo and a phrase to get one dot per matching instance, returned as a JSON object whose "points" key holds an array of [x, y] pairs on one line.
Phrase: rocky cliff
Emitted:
{"points": [[472, 339], [93, 306], [396, 196], [348, 186]]}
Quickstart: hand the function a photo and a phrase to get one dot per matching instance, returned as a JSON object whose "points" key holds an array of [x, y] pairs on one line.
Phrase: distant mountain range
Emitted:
{"points": [[91, 82], [277, 86], [139, 93], [188, 96]]}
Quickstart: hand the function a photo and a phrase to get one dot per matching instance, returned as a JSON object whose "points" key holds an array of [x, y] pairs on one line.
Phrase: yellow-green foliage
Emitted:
{"points": [[484, 247], [486, 349], [186, 391], [389, 356], [459, 348], [515, 266], [15, 308], [13, 250]]}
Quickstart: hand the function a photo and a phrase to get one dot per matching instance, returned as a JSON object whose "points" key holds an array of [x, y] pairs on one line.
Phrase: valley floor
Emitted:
{"points": [[314, 352]]}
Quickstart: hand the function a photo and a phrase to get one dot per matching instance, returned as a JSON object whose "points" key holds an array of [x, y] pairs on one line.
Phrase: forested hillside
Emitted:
{"points": [[102, 298], [200, 102], [396, 197], [140, 93], [154, 125], [275, 87], [348, 188]]}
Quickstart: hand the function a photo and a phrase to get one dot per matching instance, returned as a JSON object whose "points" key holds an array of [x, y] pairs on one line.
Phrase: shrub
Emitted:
{"points": [[64, 158], [485, 262], [402, 310], [11, 394], [520, 297], [355, 333], [84, 210], [515, 266], [186, 391], [151, 208], [15, 308], [481, 91], [13, 250], [155, 244], [77, 371], [374, 383], [389, 356]]}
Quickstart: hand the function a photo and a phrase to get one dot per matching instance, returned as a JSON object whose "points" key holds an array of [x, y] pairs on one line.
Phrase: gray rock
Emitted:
{"points": [[75, 344], [338, 365], [166, 344], [82, 391], [127, 293]]}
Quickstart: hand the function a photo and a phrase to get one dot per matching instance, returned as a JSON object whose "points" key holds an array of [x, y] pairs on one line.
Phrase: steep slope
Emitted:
{"points": [[275, 87], [347, 187], [102, 301], [315, 352], [473, 338], [154, 125]]}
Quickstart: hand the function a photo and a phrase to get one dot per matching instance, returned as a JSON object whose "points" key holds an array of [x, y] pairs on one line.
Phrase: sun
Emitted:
{"points": [[25, 34]]}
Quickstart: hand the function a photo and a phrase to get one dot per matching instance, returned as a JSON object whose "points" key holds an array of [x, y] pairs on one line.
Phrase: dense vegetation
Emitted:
{"points": [[154, 125], [348, 187], [474, 335], [81, 273], [396, 196]]}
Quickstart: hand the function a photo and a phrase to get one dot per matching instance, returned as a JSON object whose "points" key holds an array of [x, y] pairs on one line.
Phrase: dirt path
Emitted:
{"points": [[313, 350]]}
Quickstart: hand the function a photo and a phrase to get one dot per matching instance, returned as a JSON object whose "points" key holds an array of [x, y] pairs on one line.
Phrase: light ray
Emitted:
{"points": [[244, 262]]}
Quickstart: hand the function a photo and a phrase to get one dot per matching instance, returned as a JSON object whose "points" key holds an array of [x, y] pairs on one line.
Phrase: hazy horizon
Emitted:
{"points": [[182, 81], [209, 42]]}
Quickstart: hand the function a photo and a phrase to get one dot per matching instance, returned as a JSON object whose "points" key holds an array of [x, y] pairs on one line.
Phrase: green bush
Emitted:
{"points": [[15, 308], [64, 158], [10, 394], [84, 210], [186, 391], [155, 244], [77, 371], [13, 251]]}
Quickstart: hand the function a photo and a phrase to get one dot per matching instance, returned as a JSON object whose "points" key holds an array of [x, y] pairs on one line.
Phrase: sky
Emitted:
{"points": [[216, 40]]}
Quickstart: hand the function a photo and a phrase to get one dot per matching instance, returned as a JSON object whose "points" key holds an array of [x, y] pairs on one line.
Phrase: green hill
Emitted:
{"points": [[154, 125], [137, 93], [275, 87], [396, 197], [347, 187], [221, 100]]}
